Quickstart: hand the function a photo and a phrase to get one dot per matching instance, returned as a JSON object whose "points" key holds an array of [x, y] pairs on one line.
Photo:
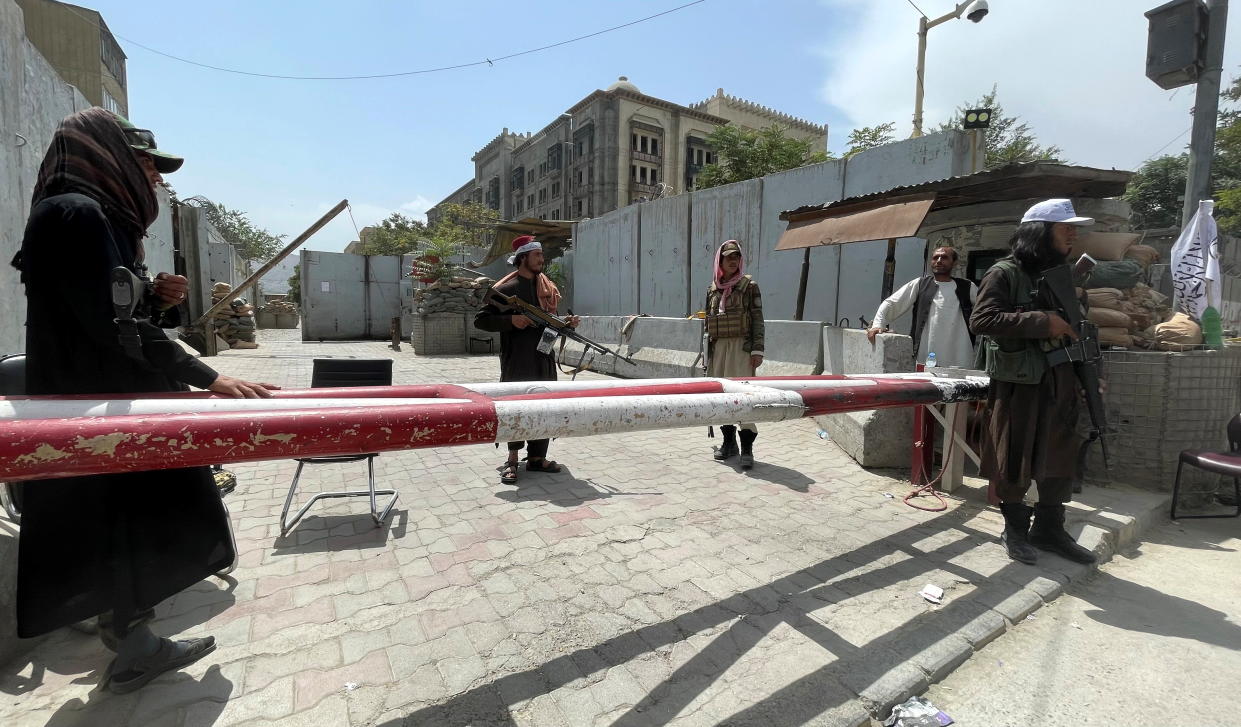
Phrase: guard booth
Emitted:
{"points": [[975, 214]]}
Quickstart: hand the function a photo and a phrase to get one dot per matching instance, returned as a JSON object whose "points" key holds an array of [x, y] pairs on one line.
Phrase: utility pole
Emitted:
{"points": [[1206, 110]]}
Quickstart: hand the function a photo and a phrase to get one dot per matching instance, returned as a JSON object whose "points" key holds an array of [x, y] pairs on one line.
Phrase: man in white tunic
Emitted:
{"points": [[941, 307]]}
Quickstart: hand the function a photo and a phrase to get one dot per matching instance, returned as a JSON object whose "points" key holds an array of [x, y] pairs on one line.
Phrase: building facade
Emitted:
{"points": [[78, 44], [613, 148]]}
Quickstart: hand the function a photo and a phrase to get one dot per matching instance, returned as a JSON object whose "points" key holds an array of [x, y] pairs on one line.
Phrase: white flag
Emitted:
{"points": [[1195, 264]]}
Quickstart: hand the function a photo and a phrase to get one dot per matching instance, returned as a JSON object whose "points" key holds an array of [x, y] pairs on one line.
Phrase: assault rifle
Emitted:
{"points": [[553, 326], [1082, 353], [130, 302]]}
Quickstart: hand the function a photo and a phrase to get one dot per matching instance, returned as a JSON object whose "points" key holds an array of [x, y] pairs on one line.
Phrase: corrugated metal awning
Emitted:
{"points": [[898, 217], [554, 234], [888, 214]]}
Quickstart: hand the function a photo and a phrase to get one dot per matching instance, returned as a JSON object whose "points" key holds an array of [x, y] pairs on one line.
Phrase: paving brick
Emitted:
{"points": [[265, 624], [271, 584], [570, 598], [314, 685], [272, 703], [263, 669]]}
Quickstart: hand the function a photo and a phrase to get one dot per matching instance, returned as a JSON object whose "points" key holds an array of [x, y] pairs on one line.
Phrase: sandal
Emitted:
{"points": [[544, 465], [508, 473], [144, 670]]}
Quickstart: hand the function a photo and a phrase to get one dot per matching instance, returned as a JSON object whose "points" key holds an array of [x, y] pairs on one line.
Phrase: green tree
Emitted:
{"points": [[396, 235], [746, 154], [295, 286], [253, 243], [869, 137], [1157, 190], [437, 244], [1008, 140], [463, 224]]}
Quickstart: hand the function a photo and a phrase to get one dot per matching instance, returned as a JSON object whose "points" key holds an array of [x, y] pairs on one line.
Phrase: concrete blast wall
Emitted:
{"points": [[657, 257], [33, 100], [352, 297], [876, 438]]}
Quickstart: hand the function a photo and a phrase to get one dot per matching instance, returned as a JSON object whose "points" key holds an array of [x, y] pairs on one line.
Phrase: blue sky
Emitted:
{"points": [[284, 151]]}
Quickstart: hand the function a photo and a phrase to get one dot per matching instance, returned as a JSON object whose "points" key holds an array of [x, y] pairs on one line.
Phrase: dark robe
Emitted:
{"points": [[520, 359], [102, 543], [1031, 428]]}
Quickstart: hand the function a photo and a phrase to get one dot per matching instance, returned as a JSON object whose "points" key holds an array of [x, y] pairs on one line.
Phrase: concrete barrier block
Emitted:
{"points": [[792, 348], [880, 438], [604, 330], [663, 347]]}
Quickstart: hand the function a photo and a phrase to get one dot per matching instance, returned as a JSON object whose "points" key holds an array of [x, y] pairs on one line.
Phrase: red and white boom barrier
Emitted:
{"points": [[43, 436]]}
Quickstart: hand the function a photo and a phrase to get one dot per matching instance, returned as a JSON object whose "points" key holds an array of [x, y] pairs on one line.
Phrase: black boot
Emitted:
{"points": [[1017, 531], [1048, 534], [729, 447], [747, 448]]}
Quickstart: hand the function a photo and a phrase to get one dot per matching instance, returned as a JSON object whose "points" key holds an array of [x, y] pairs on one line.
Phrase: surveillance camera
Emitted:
{"points": [[977, 11]]}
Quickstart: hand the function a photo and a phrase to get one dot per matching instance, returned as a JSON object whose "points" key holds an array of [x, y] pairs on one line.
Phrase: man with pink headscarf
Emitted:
{"points": [[734, 328]]}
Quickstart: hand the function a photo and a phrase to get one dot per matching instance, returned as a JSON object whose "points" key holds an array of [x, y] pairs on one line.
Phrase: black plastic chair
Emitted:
{"points": [[1221, 463], [343, 372]]}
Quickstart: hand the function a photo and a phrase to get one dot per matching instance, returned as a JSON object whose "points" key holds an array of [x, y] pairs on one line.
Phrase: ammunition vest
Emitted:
{"points": [[1015, 360], [734, 322]]}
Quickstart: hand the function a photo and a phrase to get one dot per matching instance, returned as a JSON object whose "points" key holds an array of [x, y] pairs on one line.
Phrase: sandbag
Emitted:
{"points": [[1144, 254], [1119, 274], [1139, 318], [1115, 336], [1104, 298], [1107, 317], [1178, 333], [1146, 296], [1104, 245]]}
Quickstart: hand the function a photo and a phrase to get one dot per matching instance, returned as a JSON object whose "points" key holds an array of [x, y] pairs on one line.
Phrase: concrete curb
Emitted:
{"points": [[1118, 524]]}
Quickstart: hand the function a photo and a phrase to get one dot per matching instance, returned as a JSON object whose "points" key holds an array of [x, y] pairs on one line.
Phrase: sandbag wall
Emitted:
{"points": [[1129, 313]]}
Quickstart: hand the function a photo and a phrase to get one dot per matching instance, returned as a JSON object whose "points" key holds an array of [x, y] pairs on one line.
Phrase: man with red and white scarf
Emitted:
{"points": [[520, 359]]}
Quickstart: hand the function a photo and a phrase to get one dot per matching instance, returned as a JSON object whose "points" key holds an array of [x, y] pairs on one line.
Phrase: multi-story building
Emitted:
{"points": [[611, 149], [78, 44]]}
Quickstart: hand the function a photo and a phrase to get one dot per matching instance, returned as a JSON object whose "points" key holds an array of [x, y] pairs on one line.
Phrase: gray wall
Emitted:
{"points": [[656, 257], [352, 297], [159, 244], [33, 100], [664, 232], [605, 269]]}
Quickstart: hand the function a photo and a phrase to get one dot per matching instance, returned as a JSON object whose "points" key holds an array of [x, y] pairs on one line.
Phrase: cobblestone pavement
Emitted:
{"points": [[645, 585]]}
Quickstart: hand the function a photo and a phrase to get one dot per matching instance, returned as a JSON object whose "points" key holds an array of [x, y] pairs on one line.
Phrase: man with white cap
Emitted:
{"points": [[520, 358], [1032, 407]]}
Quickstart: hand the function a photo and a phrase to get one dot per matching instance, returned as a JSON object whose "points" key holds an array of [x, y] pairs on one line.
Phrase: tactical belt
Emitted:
{"points": [[1076, 352]]}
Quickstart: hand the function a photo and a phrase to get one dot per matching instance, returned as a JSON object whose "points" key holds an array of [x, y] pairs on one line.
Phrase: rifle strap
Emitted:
{"points": [[581, 364]]}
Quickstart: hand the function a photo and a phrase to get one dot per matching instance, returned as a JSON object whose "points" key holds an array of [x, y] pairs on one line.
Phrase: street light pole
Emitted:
{"points": [[924, 25], [1206, 111], [918, 91]]}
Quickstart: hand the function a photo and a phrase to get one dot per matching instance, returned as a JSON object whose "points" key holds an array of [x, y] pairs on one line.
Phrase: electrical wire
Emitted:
{"points": [[911, 2], [484, 61], [349, 209], [929, 487], [1165, 146]]}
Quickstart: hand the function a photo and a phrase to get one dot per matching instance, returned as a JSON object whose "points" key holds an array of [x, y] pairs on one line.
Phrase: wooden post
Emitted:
{"points": [[801, 287], [889, 268], [395, 330]]}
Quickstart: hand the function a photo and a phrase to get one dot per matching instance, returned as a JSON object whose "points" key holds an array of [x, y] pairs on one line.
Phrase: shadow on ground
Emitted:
{"points": [[881, 669]]}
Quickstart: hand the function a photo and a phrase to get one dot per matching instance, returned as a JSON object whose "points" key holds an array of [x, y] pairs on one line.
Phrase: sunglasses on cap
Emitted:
{"points": [[140, 138]]}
